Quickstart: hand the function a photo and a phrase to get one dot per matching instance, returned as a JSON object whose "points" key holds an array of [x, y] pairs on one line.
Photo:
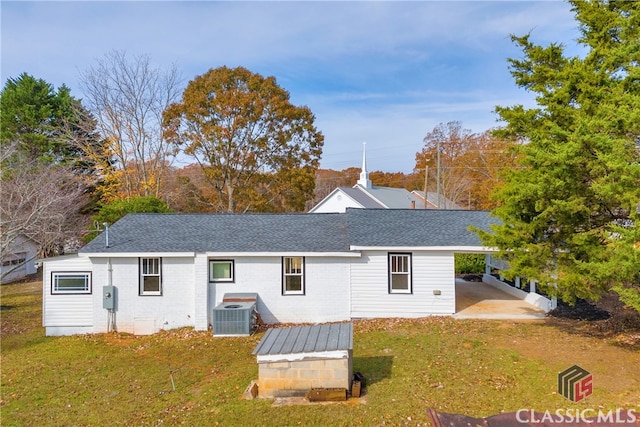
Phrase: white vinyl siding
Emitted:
{"points": [[69, 311], [431, 271], [150, 276]]}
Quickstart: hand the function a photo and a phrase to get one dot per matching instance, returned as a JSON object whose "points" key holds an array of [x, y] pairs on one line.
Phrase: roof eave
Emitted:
{"points": [[452, 248], [351, 254], [165, 254]]}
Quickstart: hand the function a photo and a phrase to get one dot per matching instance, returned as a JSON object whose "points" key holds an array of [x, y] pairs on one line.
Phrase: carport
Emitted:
{"points": [[480, 300]]}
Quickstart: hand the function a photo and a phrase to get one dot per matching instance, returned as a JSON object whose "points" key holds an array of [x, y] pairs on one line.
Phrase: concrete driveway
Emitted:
{"points": [[477, 300]]}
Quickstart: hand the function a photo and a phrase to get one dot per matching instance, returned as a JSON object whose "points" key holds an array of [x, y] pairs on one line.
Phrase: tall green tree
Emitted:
{"points": [[570, 210], [45, 123], [258, 151]]}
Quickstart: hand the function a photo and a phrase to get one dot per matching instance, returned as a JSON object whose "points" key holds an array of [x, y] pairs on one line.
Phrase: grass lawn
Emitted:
{"points": [[473, 367]]}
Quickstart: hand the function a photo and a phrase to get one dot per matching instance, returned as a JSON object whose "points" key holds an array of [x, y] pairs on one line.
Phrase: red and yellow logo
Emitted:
{"points": [[575, 383]]}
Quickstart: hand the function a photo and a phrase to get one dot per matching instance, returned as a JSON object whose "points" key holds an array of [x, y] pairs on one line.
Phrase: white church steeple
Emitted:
{"points": [[364, 180]]}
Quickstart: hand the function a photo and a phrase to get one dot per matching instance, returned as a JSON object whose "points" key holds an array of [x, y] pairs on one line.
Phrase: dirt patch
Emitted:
{"points": [[602, 337], [295, 401], [614, 361]]}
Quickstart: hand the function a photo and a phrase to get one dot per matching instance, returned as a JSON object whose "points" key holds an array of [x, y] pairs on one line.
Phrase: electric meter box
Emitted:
{"points": [[108, 297]]}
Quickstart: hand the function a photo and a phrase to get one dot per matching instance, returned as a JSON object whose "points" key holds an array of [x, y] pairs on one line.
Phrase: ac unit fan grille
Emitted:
{"points": [[234, 320]]}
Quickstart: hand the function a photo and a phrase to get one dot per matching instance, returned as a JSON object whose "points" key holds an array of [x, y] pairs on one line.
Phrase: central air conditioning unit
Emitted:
{"points": [[236, 315]]}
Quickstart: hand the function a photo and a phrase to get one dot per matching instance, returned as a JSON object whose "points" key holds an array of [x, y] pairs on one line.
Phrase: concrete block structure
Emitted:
{"points": [[294, 360]]}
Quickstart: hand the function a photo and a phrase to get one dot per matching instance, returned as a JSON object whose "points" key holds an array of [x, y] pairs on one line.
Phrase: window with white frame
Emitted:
{"points": [[150, 276], [293, 275], [221, 270], [400, 273], [71, 283]]}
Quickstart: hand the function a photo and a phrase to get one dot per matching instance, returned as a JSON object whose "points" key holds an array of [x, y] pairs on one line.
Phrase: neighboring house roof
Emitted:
{"points": [[306, 339], [323, 232], [392, 198], [366, 196], [375, 198], [361, 197], [432, 200]]}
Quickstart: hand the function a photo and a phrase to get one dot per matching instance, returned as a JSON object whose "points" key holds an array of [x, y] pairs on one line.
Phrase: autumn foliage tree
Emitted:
{"points": [[485, 161], [467, 165], [570, 211], [257, 150]]}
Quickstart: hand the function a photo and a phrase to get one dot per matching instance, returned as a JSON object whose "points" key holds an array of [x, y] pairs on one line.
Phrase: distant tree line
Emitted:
{"points": [[246, 148]]}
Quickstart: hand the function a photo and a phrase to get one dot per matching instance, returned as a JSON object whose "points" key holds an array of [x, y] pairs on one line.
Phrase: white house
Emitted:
{"points": [[160, 271], [363, 195], [20, 261]]}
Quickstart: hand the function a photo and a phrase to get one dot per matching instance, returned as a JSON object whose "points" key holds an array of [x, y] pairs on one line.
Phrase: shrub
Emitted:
{"points": [[113, 211], [469, 263]]}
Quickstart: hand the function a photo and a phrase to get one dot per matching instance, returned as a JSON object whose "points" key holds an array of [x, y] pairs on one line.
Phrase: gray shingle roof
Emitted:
{"points": [[306, 339], [393, 198], [432, 198], [323, 232], [225, 233], [416, 227], [382, 197], [361, 197]]}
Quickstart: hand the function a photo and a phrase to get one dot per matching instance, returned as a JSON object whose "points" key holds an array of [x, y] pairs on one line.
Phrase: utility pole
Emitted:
{"points": [[438, 176], [426, 178]]}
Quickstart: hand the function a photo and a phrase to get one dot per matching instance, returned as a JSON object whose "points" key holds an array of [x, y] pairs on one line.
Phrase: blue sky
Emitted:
{"points": [[384, 72]]}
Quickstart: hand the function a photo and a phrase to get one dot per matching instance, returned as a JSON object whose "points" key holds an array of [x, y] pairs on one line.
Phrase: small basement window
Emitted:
{"points": [[71, 283], [221, 270]]}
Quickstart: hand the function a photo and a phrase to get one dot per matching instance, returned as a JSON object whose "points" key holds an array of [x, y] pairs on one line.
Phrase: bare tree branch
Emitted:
{"points": [[39, 201], [127, 97]]}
